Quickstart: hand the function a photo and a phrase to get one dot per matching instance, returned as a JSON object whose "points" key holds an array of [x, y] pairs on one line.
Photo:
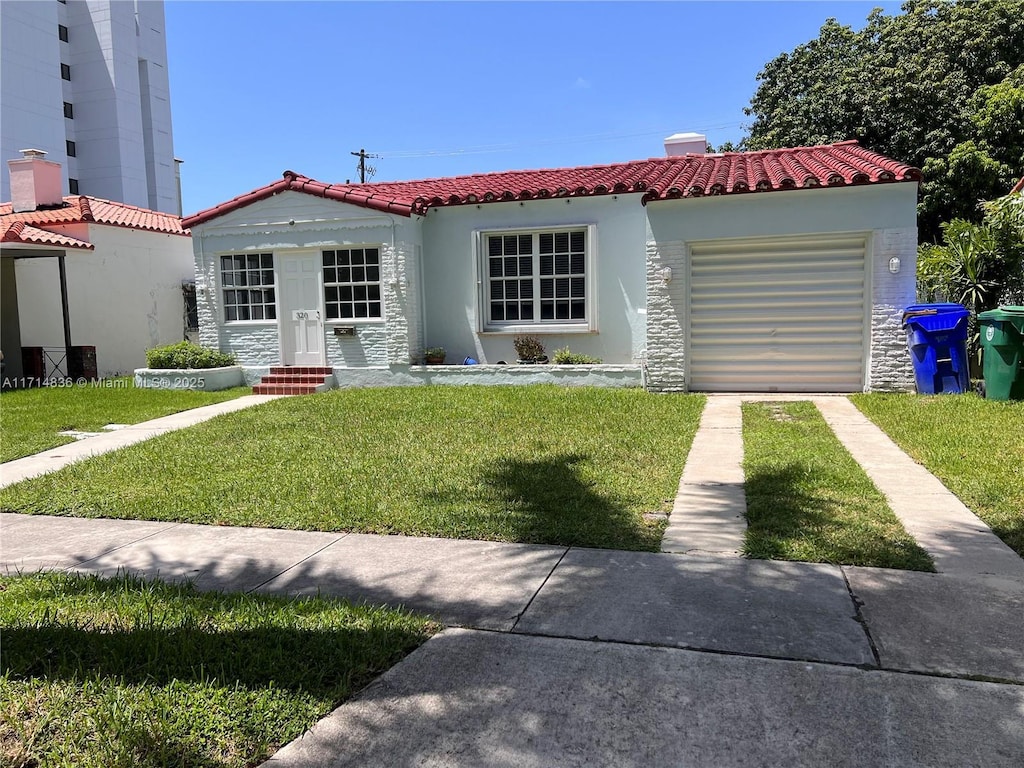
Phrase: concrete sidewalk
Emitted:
{"points": [[589, 657]]}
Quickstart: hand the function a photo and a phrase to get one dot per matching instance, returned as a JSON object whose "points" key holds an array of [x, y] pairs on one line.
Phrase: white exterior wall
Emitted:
{"points": [[886, 212], [322, 224], [119, 90], [452, 268], [123, 297]]}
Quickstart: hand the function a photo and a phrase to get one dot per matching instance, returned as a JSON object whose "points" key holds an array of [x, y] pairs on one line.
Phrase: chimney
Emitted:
{"points": [[686, 144], [35, 182]]}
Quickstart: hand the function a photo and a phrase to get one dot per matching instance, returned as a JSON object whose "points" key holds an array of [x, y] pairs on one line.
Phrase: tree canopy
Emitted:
{"points": [[939, 86]]}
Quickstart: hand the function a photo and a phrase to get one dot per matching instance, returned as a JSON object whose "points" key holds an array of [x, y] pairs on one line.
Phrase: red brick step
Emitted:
{"points": [[295, 380]]}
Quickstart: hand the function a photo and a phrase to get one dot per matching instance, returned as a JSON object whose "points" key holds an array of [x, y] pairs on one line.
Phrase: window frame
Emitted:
{"points": [[485, 325], [73, 187], [62, 33], [338, 302], [222, 288], [65, 72], [70, 148], [69, 110]]}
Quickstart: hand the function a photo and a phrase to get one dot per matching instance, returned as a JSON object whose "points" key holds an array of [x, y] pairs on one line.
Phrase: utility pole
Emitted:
{"points": [[363, 167]]}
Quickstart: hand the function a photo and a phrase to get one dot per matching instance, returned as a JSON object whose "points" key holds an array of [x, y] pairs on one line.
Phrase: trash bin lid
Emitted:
{"points": [[935, 317], [1015, 315]]}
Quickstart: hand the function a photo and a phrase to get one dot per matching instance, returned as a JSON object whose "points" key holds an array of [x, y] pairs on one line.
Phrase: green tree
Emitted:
{"points": [[977, 265], [939, 86]]}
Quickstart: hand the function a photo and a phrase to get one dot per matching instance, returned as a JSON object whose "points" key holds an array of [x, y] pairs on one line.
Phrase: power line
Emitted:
{"points": [[364, 169]]}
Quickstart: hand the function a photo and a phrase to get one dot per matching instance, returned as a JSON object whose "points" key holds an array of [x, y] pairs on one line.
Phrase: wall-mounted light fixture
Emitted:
{"points": [[894, 265], [666, 275]]}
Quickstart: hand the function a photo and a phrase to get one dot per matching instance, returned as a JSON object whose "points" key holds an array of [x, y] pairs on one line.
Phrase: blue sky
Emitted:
{"points": [[442, 89]]}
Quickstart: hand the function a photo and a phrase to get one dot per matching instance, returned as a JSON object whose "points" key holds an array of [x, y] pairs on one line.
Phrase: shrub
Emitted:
{"points": [[564, 356], [185, 354], [528, 347]]}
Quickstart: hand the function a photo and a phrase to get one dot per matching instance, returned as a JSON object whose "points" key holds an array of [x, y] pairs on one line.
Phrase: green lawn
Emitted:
{"points": [[974, 446], [542, 464], [30, 419], [125, 673], [809, 500]]}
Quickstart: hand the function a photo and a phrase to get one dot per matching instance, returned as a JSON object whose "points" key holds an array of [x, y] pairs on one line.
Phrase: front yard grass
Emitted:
{"points": [[809, 500], [542, 464], [119, 673], [30, 419], [974, 446]]}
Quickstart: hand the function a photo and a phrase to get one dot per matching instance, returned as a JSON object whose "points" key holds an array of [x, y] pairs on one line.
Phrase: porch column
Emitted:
{"points": [[66, 313]]}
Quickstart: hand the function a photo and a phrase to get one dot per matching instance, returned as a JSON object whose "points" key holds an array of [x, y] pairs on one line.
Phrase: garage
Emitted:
{"points": [[778, 314]]}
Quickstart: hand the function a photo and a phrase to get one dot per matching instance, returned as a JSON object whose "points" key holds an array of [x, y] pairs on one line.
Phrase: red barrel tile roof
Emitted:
{"points": [[660, 178], [30, 227]]}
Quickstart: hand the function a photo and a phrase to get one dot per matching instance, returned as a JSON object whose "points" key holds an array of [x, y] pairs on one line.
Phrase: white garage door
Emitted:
{"points": [[777, 315]]}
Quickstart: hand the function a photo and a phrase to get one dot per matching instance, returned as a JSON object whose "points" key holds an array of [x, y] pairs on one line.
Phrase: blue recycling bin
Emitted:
{"points": [[937, 340]]}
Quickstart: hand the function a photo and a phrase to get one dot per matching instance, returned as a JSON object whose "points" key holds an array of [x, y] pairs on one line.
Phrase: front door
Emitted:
{"points": [[301, 319]]}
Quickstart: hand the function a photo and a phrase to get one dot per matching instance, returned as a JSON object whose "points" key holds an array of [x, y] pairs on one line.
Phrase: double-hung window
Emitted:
{"points": [[352, 283], [538, 278], [247, 282]]}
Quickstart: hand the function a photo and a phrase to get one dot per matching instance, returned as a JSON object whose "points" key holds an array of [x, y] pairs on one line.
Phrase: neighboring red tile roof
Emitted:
{"points": [[79, 209], [20, 232], [659, 178]]}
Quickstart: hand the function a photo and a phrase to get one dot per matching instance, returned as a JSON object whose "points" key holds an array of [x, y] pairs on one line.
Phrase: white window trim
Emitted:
{"points": [[482, 277], [332, 321], [220, 287]]}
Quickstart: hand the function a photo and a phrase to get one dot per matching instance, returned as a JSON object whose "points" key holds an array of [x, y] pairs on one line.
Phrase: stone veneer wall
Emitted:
{"points": [[890, 368], [889, 365], [666, 316]]}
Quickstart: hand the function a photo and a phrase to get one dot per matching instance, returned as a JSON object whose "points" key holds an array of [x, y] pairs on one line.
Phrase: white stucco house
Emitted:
{"points": [[783, 270], [80, 274]]}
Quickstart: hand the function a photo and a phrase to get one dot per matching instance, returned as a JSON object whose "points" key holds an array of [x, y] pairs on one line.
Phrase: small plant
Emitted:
{"points": [[565, 356], [185, 354], [529, 349], [434, 355]]}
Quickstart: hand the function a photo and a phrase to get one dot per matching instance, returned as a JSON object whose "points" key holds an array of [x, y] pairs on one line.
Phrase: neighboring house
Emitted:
{"points": [[87, 83], [784, 270], [123, 271]]}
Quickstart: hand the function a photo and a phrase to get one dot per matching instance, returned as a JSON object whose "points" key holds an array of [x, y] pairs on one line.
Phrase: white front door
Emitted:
{"points": [[300, 316]]}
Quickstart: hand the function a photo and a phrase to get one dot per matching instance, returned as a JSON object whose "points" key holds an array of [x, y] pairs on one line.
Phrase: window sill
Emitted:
{"points": [[355, 321], [536, 330], [233, 323]]}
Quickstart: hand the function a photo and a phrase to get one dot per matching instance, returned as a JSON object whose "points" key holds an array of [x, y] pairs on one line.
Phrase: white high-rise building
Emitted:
{"points": [[86, 81]]}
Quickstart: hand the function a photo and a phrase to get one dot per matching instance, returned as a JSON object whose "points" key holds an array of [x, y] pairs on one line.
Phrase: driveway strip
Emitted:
{"points": [[958, 540], [708, 516]]}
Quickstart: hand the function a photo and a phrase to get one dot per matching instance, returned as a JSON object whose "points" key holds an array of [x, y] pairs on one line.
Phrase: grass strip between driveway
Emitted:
{"points": [[112, 673], [809, 500], [974, 446], [31, 419], [540, 464]]}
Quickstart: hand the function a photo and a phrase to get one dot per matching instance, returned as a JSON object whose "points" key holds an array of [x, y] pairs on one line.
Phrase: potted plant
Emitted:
{"points": [[529, 349], [434, 355]]}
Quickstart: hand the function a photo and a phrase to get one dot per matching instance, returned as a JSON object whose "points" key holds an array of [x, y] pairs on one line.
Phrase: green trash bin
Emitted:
{"points": [[1002, 339]]}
